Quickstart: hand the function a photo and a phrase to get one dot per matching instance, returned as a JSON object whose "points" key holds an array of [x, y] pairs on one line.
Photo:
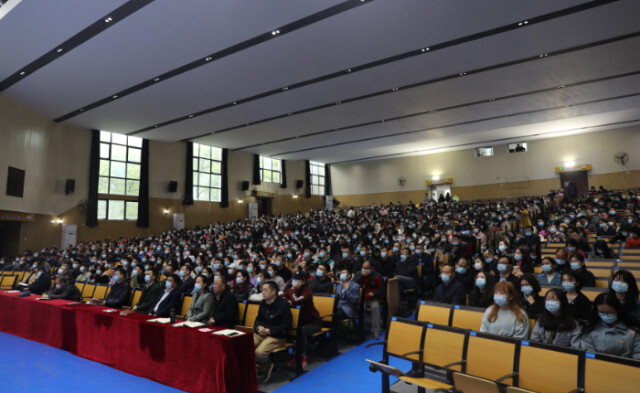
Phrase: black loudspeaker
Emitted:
{"points": [[173, 186], [299, 184], [15, 182], [70, 186], [245, 185]]}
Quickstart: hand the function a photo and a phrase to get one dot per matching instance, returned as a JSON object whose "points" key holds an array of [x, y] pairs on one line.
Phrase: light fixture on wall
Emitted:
{"points": [[436, 176], [57, 221], [295, 196], [240, 201], [166, 212], [569, 164]]}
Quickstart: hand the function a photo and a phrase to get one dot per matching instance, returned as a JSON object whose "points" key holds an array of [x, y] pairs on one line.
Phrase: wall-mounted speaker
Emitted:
{"points": [[245, 185], [299, 184], [70, 186], [173, 186], [15, 182]]}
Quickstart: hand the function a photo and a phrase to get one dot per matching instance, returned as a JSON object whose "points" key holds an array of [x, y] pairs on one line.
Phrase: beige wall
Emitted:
{"points": [[538, 163]]}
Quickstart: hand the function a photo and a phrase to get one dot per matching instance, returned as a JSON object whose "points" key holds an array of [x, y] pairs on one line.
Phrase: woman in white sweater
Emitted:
{"points": [[506, 317]]}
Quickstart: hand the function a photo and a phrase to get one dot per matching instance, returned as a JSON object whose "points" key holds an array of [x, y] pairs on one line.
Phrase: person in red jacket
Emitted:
{"points": [[301, 294], [373, 293], [634, 238]]}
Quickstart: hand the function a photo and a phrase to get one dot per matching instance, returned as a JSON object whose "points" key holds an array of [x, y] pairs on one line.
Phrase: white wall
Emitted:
{"points": [[543, 155]]}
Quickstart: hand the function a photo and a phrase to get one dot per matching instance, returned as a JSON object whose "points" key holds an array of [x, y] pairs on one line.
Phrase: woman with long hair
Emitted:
{"points": [[556, 325], [624, 285], [611, 329], [506, 317]]}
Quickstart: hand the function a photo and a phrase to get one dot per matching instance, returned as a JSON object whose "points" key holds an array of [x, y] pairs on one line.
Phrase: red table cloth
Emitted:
{"points": [[181, 357]]}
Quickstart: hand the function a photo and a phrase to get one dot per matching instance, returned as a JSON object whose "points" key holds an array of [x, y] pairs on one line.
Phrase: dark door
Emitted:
{"points": [[264, 206], [9, 237], [580, 179]]}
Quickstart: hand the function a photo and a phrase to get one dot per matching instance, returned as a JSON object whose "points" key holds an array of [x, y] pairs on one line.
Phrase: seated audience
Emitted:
{"points": [[450, 290], [168, 299], [506, 317], [64, 289], [555, 325], [201, 302], [224, 312], [150, 292], [482, 294], [626, 289], [579, 304]]}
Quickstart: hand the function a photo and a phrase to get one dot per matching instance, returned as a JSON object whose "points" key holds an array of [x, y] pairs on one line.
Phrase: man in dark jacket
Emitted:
{"points": [[168, 298], [373, 292], [120, 290], [321, 282], [406, 270], [150, 292], [188, 282], [225, 306], [300, 294], [64, 289], [273, 322], [42, 283], [450, 291]]}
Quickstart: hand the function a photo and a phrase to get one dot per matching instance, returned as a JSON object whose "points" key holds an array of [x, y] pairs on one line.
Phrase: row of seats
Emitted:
{"points": [[449, 357]]}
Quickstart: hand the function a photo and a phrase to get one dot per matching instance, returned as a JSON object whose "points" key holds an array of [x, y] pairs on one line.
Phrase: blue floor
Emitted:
{"points": [[344, 373], [28, 366]]}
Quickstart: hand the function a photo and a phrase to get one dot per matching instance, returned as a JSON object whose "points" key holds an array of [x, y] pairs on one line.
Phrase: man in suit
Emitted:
{"points": [[187, 281], [120, 290], [225, 306], [167, 299], [64, 289], [348, 293], [451, 290], [42, 283], [150, 292]]}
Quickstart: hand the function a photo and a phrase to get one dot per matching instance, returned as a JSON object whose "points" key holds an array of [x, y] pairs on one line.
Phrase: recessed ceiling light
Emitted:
{"points": [[462, 74], [22, 73], [561, 87], [394, 89], [275, 32], [156, 79], [115, 96], [289, 114], [235, 102], [349, 70], [339, 102], [209, 58], [544, 55], [382, 121], [109, 19], [190, 116], [285, 88], [81, 110], [425, 50], [59, 50], [156, 126]]}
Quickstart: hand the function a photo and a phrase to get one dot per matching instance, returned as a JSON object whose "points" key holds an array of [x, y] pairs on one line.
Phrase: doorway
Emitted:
{"points": [[9, 238], [264, 206], [580, 180]]}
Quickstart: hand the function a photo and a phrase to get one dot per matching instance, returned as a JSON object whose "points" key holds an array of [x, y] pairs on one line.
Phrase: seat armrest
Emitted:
{"points": [[508, 376]]}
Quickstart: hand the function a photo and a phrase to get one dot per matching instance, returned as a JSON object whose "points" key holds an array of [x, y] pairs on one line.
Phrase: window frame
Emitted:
{"points": [[270, 171], [128, 147], [318, 179], [125, 217], [196, 172]]}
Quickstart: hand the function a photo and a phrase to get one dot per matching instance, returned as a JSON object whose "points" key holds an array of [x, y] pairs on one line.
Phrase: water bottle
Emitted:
{"points": [[172, 316]]}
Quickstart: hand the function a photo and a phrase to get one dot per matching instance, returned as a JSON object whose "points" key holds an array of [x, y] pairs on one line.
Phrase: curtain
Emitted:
{"points": [[224, 197], [307, 179], [188, 177], [143, 197], [94, 172], [283, 177], [256, 170], [327, 180]]}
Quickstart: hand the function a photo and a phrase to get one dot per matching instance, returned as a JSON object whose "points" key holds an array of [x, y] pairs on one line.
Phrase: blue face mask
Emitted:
{"points": [[609, 319], [196, 288], [363, 253], [455, 243], [419, 251], [59, 271], [489, 259], [116, 278], [238, 280], [39, 274], [445, 278], [343, 277], [319, 273], [277, 263], [98, 272], [181, 274], [501, 300], [322, 254], [383, 254], [403, 257], [575, 265], [527, 289], [306, 255], [461, 270], [199, 269], [553, 306], [249, 269], [517, 257], [547, 268], [271, 273], [258, 281], [501, 248], [560, 261], [528, 234], [134, 273], [568, 286], [481, 282], [345, 255], [502, 267], [167, 285], [147, 278], [620, 287]]}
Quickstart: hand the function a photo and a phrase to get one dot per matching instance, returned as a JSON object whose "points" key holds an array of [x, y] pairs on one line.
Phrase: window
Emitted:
{"points": [[113, 209], [207, 170], [119, 164], [484, 151], [269, 170], [317, 178], [517, 147]]}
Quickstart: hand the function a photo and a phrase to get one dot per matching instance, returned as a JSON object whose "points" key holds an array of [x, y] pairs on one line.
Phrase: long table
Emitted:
{"points": [[181, 357]]}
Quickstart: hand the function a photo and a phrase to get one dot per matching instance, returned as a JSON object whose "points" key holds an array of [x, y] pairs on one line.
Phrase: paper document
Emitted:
{"points": [[229, 332], [160, 320], [189, 324]]}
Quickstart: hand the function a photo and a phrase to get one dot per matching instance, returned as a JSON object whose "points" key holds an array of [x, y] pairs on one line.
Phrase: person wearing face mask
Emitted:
{"points": [[386, 265], [137, 278], [321, 282], [482, 293], [579, 304], [348, 293], [84, 274], [450, 290], [371, 281], [576, 264], [530, 295], [242, 286], [611, 329], [64, 289], [556, 325], [42, 282], [531, 239], [168, 299], [624, 285], [224, 312], [406, 270], [556, 235], [634, 238], [300, 294], [272, 272], [562, 260], [120, 292], [464, 274], [325, 259], [549, 275], [506, 317], [201, 302], [150, 292], [601, 250], [283, 270], [188, 282], [504, 268]]}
